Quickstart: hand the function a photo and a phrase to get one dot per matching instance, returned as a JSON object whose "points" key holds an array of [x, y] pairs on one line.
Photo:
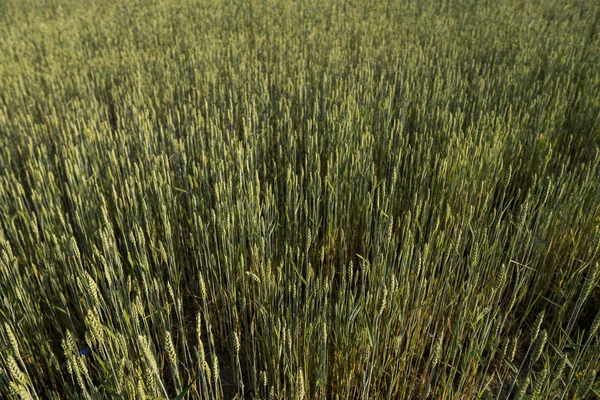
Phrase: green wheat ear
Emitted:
{"points": [[586, 385], [522, 389], [539, 346], [12, 339]]}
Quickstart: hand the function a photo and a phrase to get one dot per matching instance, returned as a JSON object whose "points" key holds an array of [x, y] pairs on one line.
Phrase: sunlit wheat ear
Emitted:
{"points": [[383, 302], [141, 391], [121, 372], [81, 366], [69, 346], [75, 249], [79, 374], [502, 277], [172, 354], [202, 287], [540, 380], [12, 340], [263, 380], [300, 385], [148, 353], [437, 352], [154, 373], [215, 370], [15, 371], [272, 392], [93, 289], [132, 238], [202, 359], [19, 391], [236, 343]]}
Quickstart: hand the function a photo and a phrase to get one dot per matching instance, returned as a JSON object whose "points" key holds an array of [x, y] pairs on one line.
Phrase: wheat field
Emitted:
{"points": [[310, 199]]}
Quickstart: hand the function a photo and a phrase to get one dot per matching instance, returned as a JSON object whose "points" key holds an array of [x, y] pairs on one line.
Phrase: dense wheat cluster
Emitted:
{"points": [[311, 199]]}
